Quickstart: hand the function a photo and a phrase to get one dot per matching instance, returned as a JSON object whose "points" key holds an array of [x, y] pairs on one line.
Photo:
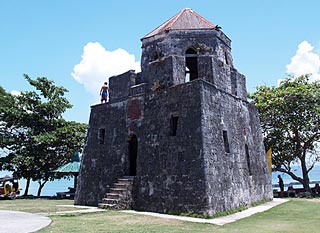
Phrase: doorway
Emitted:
{"points": [[132, 152]]}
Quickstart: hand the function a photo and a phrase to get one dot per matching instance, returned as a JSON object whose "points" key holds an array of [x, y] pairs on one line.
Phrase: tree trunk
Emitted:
{"points": [[27, 187], [305, 176], [41, 185]]}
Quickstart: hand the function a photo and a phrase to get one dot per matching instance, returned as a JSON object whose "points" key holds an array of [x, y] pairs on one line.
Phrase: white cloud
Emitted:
{"points": [[305, 61], [98, 64], [15, 93]]}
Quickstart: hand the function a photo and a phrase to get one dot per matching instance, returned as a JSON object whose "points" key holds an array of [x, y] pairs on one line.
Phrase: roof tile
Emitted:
{"points": [[184, 20]]}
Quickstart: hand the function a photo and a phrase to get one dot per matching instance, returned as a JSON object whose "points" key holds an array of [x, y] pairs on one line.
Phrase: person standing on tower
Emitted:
{"points": [[104, 92]]}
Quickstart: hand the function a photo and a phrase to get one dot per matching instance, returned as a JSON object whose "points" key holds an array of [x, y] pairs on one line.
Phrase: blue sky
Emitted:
{"points": [[75, 42]]}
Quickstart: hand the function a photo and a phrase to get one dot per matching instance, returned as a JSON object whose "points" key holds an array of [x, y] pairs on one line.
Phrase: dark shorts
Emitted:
{"points": [[104, 95]]}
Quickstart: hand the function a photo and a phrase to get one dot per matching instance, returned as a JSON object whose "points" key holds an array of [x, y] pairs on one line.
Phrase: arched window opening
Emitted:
{"points": [[191, 65]]}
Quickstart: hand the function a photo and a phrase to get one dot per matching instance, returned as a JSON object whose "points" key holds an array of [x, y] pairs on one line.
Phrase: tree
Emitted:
{"points": [[35, 135], [6, 103], [290, 119]]}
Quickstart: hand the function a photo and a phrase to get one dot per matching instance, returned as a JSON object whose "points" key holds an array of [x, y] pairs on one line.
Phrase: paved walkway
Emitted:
{"points": [[21, 222], [81, 209], [219, 220]]}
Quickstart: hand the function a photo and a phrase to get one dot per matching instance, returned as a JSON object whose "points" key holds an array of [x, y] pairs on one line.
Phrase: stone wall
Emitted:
{"points": [[170, 172], [163, 60], [104, 157], [120, 85], [182, 168], [233, 177], [169, 167]]}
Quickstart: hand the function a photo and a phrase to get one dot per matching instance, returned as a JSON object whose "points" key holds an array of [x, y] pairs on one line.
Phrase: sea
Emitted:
{"points": [[49, 189], [314, 177], [52, 187]]}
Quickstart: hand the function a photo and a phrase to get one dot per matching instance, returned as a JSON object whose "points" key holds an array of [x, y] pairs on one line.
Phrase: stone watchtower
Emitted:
{"points": [[182, 128]]}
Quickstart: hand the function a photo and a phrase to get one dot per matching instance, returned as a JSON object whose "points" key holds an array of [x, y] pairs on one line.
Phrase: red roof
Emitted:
{"points": [[184, 20]]}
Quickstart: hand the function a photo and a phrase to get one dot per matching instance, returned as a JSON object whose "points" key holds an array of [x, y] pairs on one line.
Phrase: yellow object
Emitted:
{"points": [[8, 189], [269, 159]]}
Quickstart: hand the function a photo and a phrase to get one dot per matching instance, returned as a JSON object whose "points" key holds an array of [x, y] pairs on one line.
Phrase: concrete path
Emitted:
{"points": [[81, 209], [220, 220], [21, 222]]}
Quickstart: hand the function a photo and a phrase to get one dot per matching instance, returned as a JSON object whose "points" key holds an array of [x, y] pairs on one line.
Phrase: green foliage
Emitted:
{"points": [[6, 103], [188, 214], [195, 215], [35, 136], [290, 119], [239, 209]]}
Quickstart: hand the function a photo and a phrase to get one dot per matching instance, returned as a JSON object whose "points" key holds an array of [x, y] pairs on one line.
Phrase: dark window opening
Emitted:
{"points": [[133, 151], [248, 159], [191, 65], [154, 56], [226, 141], [234, 85], [101, 134], [173, 125], [226, 57]]}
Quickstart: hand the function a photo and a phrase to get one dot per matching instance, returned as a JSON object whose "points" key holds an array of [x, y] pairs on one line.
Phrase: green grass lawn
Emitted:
{"points": [[297, 215], [36, 205]]}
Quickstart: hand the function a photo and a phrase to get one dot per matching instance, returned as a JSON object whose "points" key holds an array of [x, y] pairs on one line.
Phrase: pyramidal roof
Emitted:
{"points": [[184, 20]]}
